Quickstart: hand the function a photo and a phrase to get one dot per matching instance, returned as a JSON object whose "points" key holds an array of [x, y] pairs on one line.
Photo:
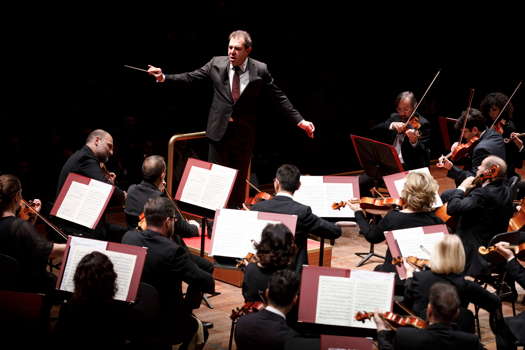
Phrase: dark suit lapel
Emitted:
{"points": [[224, 70], [252, 70]]}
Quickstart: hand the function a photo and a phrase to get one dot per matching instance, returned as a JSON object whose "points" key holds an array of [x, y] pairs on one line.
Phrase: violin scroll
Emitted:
{"points": [[247, 308]]}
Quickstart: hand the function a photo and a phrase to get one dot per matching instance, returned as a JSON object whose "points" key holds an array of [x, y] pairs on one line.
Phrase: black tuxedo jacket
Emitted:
{"points": [[262, 330], [490, 143], [307, 222], [483, 213], [414, 157], [435, 337], [245, 110]]}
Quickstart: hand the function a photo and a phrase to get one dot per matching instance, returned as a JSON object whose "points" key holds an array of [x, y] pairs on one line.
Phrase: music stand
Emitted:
{"points": [[377, 159]]}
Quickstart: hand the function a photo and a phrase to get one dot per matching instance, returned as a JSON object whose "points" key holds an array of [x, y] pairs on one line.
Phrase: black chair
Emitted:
{"points": [[24, 319], [9, 270]]}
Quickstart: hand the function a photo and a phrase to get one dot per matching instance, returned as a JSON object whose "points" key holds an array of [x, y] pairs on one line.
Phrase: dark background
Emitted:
{"points": [[340, 65]]}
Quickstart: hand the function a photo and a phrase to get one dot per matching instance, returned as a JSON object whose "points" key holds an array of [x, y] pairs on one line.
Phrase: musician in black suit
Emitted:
{"points": [[481, 211], [267, 329], [447, 263], [490, 143], [286, 182], [153, 185], [516, 324], [440, 334], [412, 145], [239, 83], [167, 265], [88, 161]]}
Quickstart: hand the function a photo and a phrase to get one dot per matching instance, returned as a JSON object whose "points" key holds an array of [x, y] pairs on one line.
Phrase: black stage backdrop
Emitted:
{"points": [[340, 65]]}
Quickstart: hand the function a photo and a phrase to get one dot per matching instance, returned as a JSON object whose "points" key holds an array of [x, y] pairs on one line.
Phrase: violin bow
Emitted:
{"points": [[506, 104], [252, 185], [57, 230], [422, 98]]}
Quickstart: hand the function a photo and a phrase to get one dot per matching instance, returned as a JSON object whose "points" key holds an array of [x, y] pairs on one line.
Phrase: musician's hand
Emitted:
{"points": [[157, 73], [308, 127], [443, 162], [410, 270], [244, 207], [380, 323], [398, 126], [517, 141], [466, 184], [413, 135], [503, 249], [454, 146], [354, 206]]}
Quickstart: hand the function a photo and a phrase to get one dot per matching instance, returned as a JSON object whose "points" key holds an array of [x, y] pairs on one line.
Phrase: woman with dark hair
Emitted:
{"points": [[275, 252], [20, 240], [92, 315]]}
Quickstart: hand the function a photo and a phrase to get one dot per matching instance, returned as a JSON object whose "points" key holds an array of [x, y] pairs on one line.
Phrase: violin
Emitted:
{"points": [[107, 174], [384, 203], [247, 308], [249, 258], [463, 149], [27, 211], [29, 207], [421, 264], [492, 253], [393, 319], [259, 196]]}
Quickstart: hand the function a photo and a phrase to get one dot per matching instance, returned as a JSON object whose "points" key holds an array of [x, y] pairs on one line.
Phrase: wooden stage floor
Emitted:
{"points": [[343, 255]]}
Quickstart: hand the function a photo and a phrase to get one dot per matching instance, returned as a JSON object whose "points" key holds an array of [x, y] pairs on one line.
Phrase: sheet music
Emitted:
{"points": [[208, 188], [84, 203], [235, 231], [123, 264], [399, 184], [340, 298], [321, 195], [411, 241]]}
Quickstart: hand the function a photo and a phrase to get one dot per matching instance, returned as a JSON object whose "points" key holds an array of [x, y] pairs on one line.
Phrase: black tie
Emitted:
{"points": [[236, 83]]}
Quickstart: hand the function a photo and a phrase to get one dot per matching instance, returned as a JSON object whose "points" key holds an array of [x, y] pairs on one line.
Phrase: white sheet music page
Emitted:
{"points": [[208, 188], [340, 298], [235, 232], [321, 195], [399, 184], [414, 242], [123, 264], [84, 203]]}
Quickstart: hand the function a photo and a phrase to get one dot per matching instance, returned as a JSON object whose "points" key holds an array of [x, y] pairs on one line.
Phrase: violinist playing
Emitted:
{"points": [[87, 162], [412, 139], [480, 142], [20, 240], [275, 252], [491, 107], [481, 211], [418, 194], [447, 265], [441, 334]]}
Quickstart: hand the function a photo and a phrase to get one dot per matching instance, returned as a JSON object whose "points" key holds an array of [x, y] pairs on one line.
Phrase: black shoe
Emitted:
{"points": [[207, 325]]}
